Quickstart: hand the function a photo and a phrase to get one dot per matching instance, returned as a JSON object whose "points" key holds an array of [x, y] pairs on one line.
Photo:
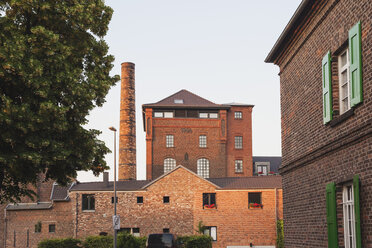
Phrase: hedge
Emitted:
{"points": [[280, 234], [195, 241], [126, 240], [60, 243], [98, 242]]}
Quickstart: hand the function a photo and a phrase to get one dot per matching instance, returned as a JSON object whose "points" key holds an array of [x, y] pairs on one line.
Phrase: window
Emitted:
{"points": [[112, 199], [203, 141], [238, 115], [52, 228], [139, 199], [238, 142], [208, 115], [203, 167], [178, 101], [38, 227], [88, 202], [211, 231], [209, 201], [349, 216], [254, 200], [169, 140], [213, 115], [168, 114], [165, 230], [165, 199], [262, 169], [134, 231], [169, 164], [203, 115], [349, 74], [343, 75], [238, 166], [158, 114]]}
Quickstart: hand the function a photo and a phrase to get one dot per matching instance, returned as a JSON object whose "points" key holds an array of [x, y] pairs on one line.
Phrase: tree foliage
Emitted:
{"points": [[54, 69]]}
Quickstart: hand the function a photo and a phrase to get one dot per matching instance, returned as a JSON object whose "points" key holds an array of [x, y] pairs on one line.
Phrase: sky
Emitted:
{"points": [[213, 48]]}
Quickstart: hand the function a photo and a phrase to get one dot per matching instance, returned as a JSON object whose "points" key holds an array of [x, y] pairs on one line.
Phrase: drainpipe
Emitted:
{"points": [[5, 227], [276, 213], [76, 214]]}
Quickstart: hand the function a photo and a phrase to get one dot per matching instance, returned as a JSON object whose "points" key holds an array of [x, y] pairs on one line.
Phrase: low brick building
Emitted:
{"points": [[325, 60]]}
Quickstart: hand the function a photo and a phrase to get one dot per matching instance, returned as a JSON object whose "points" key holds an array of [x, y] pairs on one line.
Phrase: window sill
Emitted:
{"points": [[341, 118], [255, 208], [209, 208], [241, 172], [89, 211]]}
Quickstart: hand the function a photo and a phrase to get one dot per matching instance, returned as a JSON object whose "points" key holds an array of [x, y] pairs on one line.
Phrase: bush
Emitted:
{"points": [[195, 241], [280, 234], [60, 243], [98, 242], [126, 240]]}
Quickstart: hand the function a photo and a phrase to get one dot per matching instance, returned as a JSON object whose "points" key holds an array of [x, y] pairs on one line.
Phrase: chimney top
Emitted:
{"points": [[106, 178]]}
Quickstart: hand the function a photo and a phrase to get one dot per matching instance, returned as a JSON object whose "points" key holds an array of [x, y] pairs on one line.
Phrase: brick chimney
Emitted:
{"points": [[127, 141]]}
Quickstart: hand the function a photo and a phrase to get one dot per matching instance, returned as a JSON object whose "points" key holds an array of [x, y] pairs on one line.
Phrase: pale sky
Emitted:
{"points": [[213, 48]]}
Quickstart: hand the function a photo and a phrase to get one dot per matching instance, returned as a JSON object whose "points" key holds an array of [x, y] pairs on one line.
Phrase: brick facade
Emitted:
{"points": [[236, 224], [220, 133], [315, 154]]}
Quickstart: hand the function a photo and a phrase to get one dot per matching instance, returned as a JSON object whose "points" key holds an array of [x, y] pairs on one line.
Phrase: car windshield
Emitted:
{"points": [[160, 240]]}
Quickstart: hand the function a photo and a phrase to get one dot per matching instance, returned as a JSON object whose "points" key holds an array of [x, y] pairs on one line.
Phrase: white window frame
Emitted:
{"points": [[349, 216], [259, 165], [169, 164], [341, 69], [238, 142], [168, 114], [211, 231], [158, 114], [169, 140], [238, 170], [203, 141], [238, 115], [203, 115], [203, 167], [213, 115]]}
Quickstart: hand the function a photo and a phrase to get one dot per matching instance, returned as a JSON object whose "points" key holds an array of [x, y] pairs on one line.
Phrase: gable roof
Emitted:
{"points": [[255, 182], [179, 167], [29, 206], [130, 185], [186, 99]]}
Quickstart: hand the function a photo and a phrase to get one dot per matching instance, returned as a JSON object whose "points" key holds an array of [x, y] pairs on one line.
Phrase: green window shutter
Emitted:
{"points": [[327, 88], [355, 48], [357, 211], [331, 215]]}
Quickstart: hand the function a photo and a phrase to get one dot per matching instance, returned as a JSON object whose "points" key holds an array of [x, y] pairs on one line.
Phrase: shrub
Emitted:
{"points": [[126, 240], [280, 234], [195, 241], [60, 243], [98, 242]]}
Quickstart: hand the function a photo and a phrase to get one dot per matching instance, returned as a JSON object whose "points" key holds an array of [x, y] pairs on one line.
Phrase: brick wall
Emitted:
{"points": [[315, 154], [23, 221], [236, 224]]}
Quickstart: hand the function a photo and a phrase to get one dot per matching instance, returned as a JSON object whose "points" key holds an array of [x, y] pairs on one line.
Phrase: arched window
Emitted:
{"points": [[203, 167], [169, 164]]}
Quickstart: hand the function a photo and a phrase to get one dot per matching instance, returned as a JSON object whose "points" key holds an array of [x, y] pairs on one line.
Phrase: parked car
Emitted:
{"points": [[161, 240]]}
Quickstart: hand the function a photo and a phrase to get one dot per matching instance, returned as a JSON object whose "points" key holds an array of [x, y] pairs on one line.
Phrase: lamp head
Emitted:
{"points": [[112, 129]]}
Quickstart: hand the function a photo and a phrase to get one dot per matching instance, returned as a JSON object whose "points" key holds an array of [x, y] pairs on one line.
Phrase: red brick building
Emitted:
{"points": [[213, 140], [211, 180], [325, 60]]}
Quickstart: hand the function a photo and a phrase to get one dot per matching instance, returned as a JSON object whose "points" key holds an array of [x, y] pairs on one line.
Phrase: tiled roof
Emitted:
{"points": [[60, 193], [275, 162], [184, 99], [29, 206], [256, 182], [238, 104], [101, 186]]}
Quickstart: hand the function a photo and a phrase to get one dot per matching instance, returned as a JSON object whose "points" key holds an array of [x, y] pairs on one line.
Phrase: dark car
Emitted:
{"points": [[161, 240]]}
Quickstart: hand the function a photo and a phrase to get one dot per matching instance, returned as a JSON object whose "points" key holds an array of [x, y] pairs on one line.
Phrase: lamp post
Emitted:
{"points": [[114, 130]]}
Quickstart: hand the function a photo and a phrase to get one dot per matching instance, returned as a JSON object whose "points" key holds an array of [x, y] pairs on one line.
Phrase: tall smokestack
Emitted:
{"points": [[127, 142]]}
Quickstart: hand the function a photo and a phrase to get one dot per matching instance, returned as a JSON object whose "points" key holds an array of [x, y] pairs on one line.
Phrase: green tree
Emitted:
{"points": [[54, 69]]}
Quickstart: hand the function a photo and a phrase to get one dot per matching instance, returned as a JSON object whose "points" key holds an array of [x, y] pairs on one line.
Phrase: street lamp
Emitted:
{"points": [[115, 234]]}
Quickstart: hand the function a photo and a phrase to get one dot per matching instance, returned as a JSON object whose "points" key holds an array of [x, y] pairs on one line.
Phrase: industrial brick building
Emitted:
{"points": [[213, 179], [325, 60]]}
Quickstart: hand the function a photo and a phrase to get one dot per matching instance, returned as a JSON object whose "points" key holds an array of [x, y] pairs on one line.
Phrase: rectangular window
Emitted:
{"points": [[349, 216], [112, 199], [344, 80], [262, 169], [209, 201], [178, 101], [88, 202], [38, 227], [238, 142], [165, 230], [168, 114], [203, 115], [169, 140], [213, 115], [254, 200], [238, 166], [238, 115], [165, 199], [203, 141], [136, 232], [139, 199], [52, 228], [158, 114], [211, 231]]}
